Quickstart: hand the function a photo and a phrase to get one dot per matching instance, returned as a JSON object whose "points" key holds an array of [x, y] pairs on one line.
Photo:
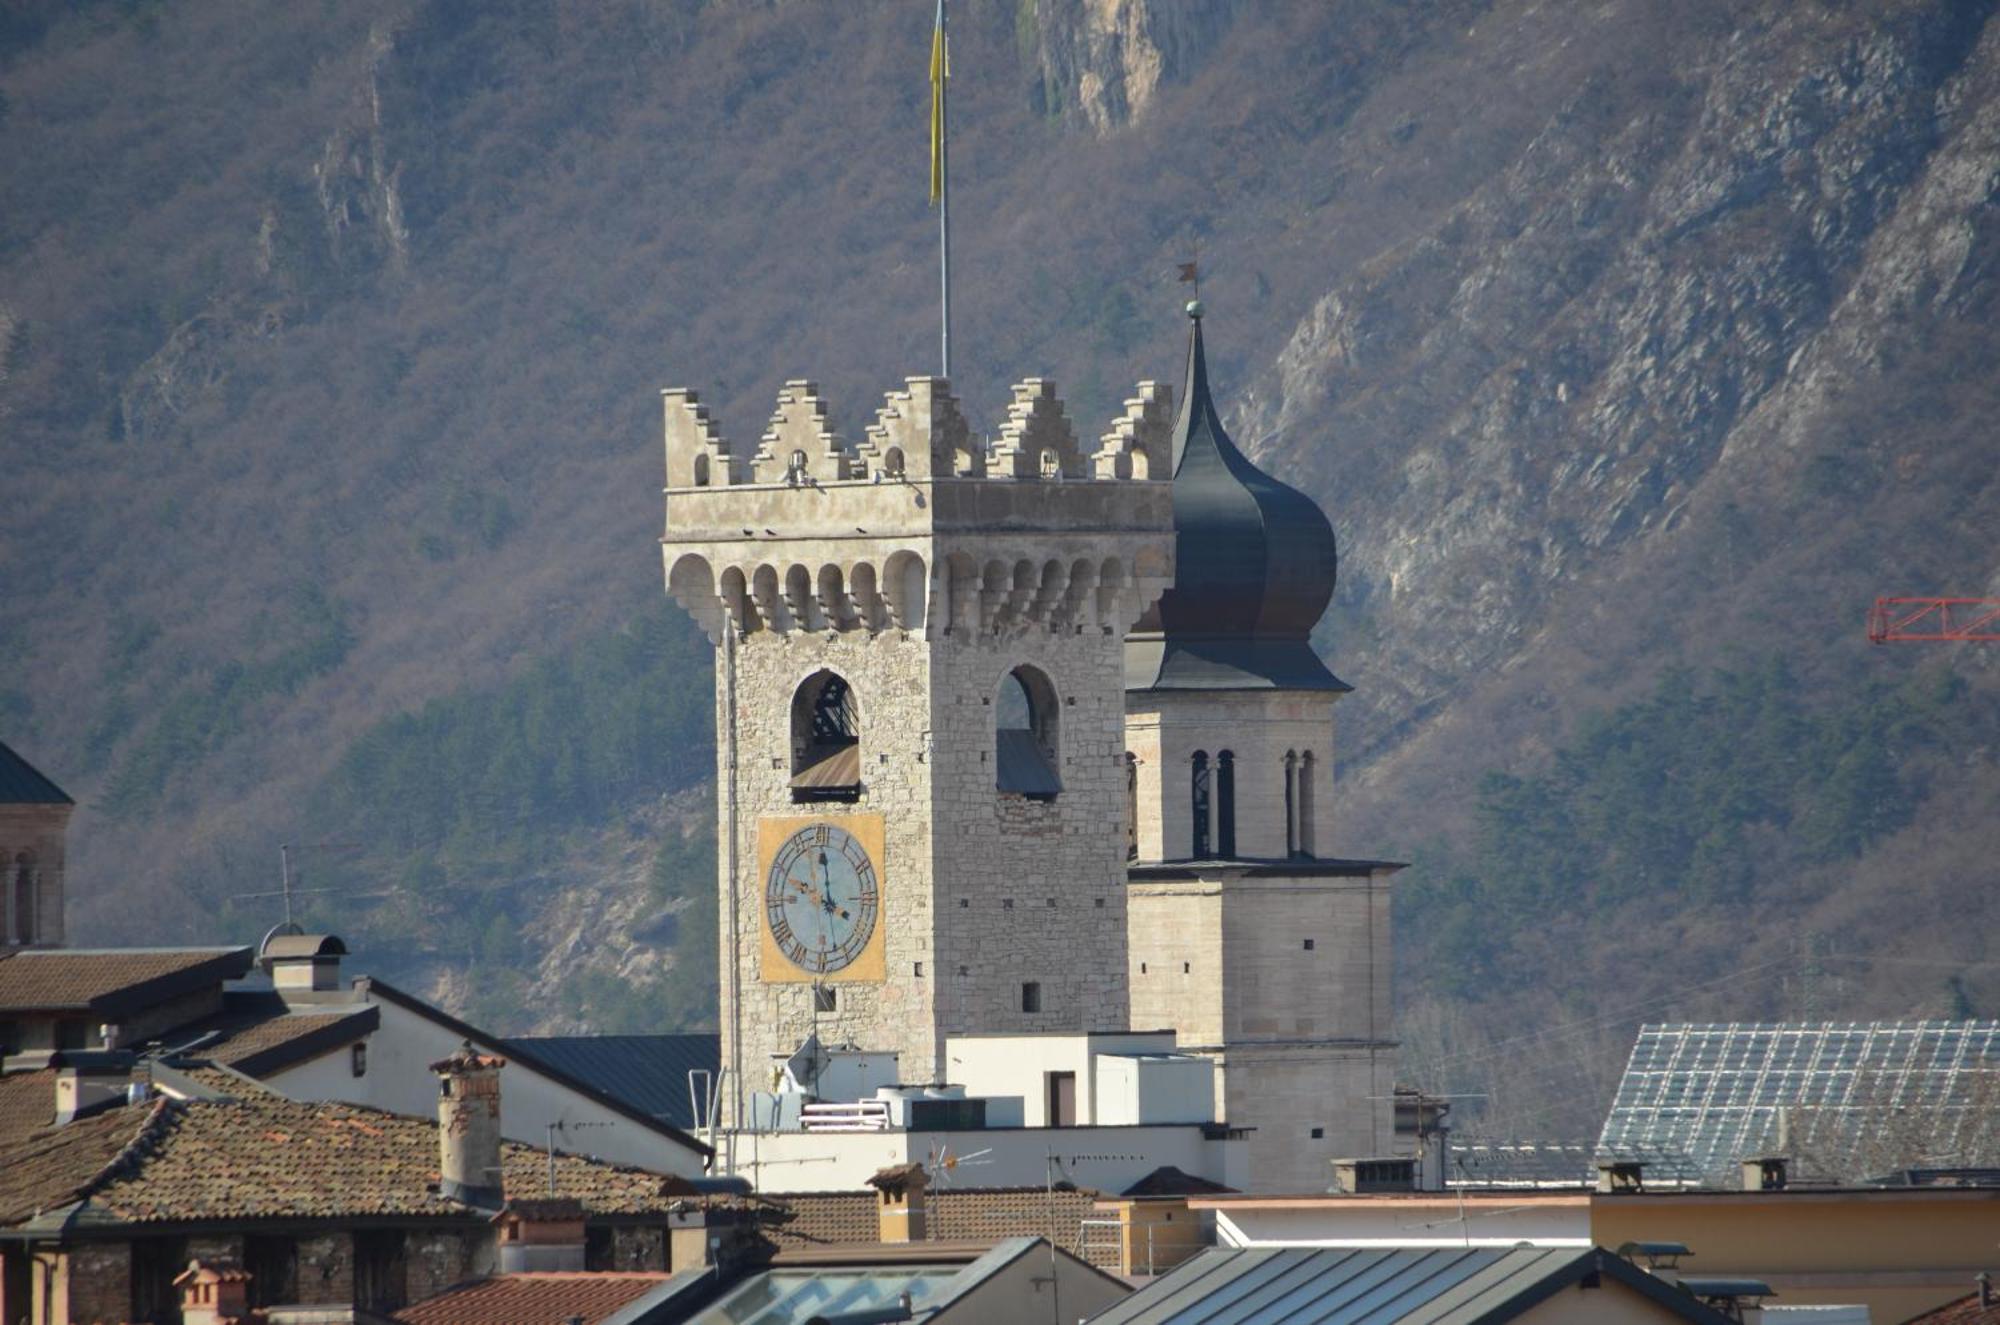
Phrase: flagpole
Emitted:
{"points": [[944, 201]]}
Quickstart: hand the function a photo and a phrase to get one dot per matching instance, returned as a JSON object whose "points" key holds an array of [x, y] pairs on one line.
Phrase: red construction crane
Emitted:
{"points": [[1900, 619]]}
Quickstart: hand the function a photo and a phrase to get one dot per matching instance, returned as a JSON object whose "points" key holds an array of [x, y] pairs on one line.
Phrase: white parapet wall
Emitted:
{"points": [[1106, 1159], [1385, 1220]]}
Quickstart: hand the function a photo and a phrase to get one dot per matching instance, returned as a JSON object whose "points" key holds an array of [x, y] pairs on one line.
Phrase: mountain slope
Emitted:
{"points": [[1614, 338]]}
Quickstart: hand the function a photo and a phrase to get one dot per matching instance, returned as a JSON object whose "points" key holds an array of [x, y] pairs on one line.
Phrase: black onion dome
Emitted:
{"points": [[1254, 567]]}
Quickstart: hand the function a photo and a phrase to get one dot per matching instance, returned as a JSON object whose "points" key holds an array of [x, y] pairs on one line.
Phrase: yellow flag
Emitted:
{"points": [[938, 73]]}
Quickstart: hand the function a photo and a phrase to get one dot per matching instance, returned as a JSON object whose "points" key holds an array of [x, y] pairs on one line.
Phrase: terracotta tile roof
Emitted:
{"points": [[111, 981], [52, 1168], [259, 1033], [532, 1299], [1965, 1311], [955, 1214], [27, 1104], [269, 1157]]}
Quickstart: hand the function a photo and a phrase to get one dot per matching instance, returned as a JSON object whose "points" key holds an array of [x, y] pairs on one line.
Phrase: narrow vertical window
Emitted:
{"points": [[1131, 809], [1225, 804], [1291, 804], [1031, 996], [1198, 804], [1308, 830], [24, 898]]}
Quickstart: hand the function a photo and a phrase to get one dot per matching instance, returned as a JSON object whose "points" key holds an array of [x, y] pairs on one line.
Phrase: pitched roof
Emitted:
{"points": [[1961, 1311], [51, 1168], [1403, 1286], [1167, 1180], [645, 1072], [954, 1214], [27, 1104], [257, 1032], [509, 1299], [369, 986], [21, 783], [111, 982], [263, 1156]]}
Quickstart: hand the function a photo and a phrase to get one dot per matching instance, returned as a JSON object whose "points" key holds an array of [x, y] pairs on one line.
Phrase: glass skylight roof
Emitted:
{"points": [[792, 1297], [1696, 1099]]}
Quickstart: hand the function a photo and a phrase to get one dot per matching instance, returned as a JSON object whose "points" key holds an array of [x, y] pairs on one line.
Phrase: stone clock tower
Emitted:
{"points": [[920, 714]]}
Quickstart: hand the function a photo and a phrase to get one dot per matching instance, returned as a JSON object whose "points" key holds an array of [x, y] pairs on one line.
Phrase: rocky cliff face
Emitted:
{"points": [[1103, 61], [1547, 374]]}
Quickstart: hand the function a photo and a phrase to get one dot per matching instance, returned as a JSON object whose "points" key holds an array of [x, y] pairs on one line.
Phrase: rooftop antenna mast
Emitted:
{"points": [[288, 890], [941, 182]]}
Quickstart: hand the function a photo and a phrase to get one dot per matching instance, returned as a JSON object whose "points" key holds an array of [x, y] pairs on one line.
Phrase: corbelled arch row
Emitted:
{"points": [[962, 596]]}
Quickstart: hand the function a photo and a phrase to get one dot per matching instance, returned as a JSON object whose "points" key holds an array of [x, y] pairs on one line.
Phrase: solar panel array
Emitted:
{"points": [[1696, 1099]]}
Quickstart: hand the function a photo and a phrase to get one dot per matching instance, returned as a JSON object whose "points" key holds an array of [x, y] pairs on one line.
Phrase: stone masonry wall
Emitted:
{"points": [[1031, 890], [38, 832]]}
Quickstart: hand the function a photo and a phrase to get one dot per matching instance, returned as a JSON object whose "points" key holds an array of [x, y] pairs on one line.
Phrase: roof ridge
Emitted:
{"points": [[132, 1154]]}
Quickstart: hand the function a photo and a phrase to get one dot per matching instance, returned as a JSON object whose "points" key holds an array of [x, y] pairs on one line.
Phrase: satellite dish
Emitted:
{"points": [[804, 1066]]}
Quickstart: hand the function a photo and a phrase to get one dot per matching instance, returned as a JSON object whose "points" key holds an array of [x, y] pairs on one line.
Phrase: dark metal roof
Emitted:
{"points": [[1255, 564], [648, 1073], [527, 1054], [21, 783], [1404, 1286]]}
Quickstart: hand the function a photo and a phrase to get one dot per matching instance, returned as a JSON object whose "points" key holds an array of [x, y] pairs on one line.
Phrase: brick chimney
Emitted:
{"points": [[216, 1293], [899, 1203], [469, 1127], [88, 1080], [544, 1234]]}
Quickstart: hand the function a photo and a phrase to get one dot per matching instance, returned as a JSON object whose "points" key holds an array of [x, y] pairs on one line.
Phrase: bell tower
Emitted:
{"points": [[920, 712], [1248, 936]]}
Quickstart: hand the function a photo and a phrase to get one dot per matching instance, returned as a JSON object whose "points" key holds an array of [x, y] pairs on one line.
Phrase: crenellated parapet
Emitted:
{"points": [[799, 445], [697, 457], [1036, 441], [921, 526], [1140, 443]]}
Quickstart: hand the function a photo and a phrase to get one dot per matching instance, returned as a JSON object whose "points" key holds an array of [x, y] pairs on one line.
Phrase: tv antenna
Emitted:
{"points": [[288, 890]]}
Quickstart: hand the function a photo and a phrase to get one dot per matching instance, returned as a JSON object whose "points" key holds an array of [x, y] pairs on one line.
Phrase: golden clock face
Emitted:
{"points": [[821, 898]]}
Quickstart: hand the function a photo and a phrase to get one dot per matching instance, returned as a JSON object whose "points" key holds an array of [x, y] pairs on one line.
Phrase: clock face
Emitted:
{"points": [[821, 898]]}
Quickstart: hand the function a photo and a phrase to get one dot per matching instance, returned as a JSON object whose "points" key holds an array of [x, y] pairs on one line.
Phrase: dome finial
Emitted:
{"points": [[1194, 309]]}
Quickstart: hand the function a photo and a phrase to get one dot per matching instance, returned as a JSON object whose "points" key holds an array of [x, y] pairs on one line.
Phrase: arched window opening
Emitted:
{"points": [[1225, 805], [1198, 804], [892, 462], [1131, 806], [24, 898], [1291, 803], [826, 740], [1026, 748], [1308, 830], [1051, 465], [701, 471]]}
